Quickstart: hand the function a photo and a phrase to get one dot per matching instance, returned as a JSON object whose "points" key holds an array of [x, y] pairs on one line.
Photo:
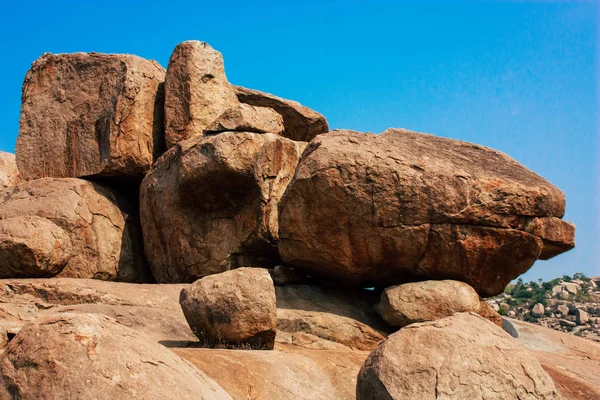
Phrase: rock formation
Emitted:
{"points": [[9, 173], [232, 308], [301, 123], [426, 301], [210, 204], [85, 355], [459, 357], [90, 114], [69, 227], [382, 209]]}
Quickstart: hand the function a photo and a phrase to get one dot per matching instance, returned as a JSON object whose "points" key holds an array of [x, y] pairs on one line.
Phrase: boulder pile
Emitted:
{"points": [[274, 230]]}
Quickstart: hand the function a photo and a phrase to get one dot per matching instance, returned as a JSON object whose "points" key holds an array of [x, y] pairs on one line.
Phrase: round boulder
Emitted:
{"points": [[460, 357], [84, 356], [426, 301], [235, 308]]}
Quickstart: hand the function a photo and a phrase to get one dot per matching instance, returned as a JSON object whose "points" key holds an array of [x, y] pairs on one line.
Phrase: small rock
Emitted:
{"points": [[494, 304], [283, 275], [538, 310], [564, 295], [234, 308], [567, 323], [563, 310], [570, 287], [582, 317], [426, 301]]}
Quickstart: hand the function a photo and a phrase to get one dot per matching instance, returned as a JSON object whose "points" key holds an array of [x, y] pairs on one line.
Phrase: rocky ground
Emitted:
{"points": [[565, 304], [166, 234]]}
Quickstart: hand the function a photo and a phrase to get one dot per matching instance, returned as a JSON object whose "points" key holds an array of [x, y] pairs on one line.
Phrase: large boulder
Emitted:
{"points": [[426, 301], [9, 173], [90, 114], [210, 204], [68, 226], [235, 308], [300, 123], [459, 357], [199, 100], [91, 356], [385, 209], [321, 317]]}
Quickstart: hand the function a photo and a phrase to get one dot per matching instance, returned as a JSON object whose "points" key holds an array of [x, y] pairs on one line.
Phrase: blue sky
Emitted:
{"points": [[521, 77]]}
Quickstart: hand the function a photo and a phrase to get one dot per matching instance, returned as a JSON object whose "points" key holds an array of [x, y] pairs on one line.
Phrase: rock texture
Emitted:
{"points": [[426, 301], [9, 173], [90, 114], [487, 312], [463, 356], [383, 209], [233, 308], [557, 235], [91, 356], [301, 123], [32, 247], [67, 226], [210, 204], [318, 317]]}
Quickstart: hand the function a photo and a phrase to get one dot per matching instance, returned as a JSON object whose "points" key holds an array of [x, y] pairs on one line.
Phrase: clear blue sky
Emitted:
{"points": [[521, 77]]}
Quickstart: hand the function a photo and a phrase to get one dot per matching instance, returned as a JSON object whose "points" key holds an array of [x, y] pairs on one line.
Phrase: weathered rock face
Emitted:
{"points": [[426, 301], [232, 308], [90, 114], [301, 123], [246, 118], [326, 318], [32, 247], [557, 235], [9, 173], [86, 355], [460, 357], [51, 223], [487, 312], [383, 209], [196, 91], [210, 204]]}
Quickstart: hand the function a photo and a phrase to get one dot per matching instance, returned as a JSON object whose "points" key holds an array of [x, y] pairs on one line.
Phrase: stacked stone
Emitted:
{"points": [[130, 172]]}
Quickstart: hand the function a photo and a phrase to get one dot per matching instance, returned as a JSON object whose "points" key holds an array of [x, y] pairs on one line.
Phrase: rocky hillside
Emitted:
{"points": [[567, 304], [166, 234]]}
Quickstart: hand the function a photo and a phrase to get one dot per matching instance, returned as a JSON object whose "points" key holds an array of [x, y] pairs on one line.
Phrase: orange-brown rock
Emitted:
{"points": [[426, 301], [85, 356], [84, 231], [90, 114], [557, 235], [235, 308], [460, 357], [487, 312], [9, 173], [300, 123], [385, 209], [210, 204]]}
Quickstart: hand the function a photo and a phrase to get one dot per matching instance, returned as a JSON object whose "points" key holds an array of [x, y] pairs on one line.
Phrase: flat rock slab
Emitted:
{"points": [[90, 114]]}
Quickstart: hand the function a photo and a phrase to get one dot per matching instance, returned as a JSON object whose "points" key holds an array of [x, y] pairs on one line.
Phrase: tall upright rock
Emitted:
{"points": [[210, 204], [399, 206], [9, 173], [90, 114]]}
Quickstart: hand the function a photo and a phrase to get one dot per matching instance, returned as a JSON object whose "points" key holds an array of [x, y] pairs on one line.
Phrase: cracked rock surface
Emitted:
{"points": [[210, 204], [87, 354], [70, 227], [399, 206], [459, 357], [90, 114]]}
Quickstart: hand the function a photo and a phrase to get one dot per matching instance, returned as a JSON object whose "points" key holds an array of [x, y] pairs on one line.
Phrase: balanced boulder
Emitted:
{"points": [[84, 356], [426, 301], [399, 206], [459, 357], [9, 173], [300, 123], [199, 100], [234, 308], [67, 226], [90, 114], [210, 204]]}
